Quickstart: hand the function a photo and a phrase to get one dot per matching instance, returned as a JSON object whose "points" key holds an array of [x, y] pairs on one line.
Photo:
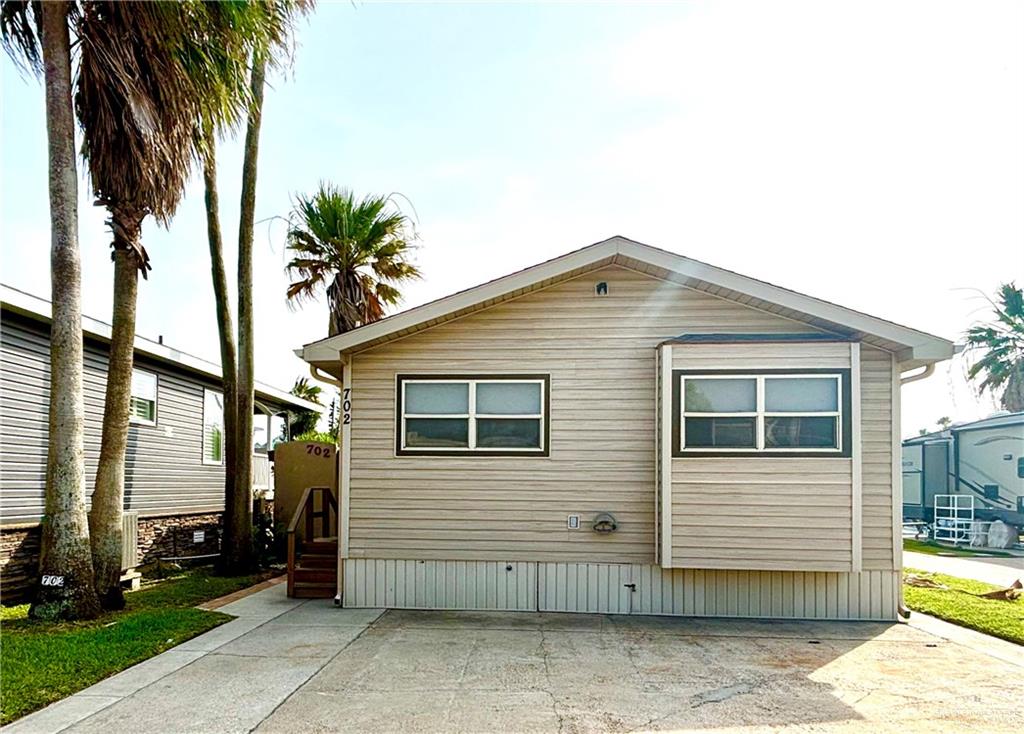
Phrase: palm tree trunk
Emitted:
{"points": [[108, 495], [64, 562], [228, 355], [241, 510]]}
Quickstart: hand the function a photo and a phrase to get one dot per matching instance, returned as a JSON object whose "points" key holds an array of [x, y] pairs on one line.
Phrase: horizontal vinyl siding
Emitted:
{"points": [[600, 355], [876, 432], [164, 473], [764, 513], [760, 355]]}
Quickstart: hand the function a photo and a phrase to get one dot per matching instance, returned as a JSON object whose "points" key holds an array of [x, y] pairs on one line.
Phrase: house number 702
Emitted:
{"points": [[346, 406]]}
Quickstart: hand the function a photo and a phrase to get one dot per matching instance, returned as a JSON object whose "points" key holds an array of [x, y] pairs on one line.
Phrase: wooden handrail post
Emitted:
{"points": [[291, 563]]}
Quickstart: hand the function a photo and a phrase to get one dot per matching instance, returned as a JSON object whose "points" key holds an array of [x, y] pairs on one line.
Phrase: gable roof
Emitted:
{"points": [[913, 348], [38, 309]]}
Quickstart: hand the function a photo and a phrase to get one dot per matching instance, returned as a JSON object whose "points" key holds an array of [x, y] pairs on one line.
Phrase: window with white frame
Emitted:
{"points": [[213, 427], [479, 414], [765, 413], [143, 403]]}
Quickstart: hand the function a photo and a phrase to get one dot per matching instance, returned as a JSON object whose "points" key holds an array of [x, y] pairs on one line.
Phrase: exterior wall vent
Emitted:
{"points": [[601, 288]]}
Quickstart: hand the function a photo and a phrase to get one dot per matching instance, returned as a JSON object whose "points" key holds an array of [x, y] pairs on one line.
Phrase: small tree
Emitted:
{"points": [[304, 421], [998, 348]]}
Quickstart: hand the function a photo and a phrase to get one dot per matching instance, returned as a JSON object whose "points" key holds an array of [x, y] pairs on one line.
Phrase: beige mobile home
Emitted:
{"points": [[629, 431]]}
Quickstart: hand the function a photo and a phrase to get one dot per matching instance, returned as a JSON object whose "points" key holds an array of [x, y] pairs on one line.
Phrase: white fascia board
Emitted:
{"points": [[25, 303], [919, 345]]}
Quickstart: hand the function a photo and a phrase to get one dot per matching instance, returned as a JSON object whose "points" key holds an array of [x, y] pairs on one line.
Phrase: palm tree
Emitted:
{"points": [[43, 43], [146, 72], [1001, 342], [357, 250], [271, 41]]}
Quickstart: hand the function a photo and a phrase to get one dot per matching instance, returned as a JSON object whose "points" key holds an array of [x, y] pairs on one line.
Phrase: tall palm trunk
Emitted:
{"points": [[228, 352], [108, 495], [65, 562], [241, 510]]}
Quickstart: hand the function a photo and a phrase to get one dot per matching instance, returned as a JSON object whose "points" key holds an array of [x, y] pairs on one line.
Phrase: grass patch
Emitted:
{"points": [[935, 549], [958, 605], [43, 662]]}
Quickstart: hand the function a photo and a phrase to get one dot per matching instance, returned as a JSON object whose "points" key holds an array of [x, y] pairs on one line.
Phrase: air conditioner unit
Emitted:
{"points": [[129, 541]]}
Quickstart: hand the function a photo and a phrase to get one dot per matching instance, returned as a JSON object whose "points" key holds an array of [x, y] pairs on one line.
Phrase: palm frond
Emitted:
{"points": [[360, 246]]}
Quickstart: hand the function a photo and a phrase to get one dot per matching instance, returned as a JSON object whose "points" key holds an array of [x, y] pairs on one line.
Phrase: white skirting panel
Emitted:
{"points": [[605, 588], [643, 589], [440, 584]]}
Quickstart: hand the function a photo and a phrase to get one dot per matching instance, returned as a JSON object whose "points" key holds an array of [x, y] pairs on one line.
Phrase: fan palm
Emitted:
{"points": [[356, 250], [1001, 342], [38, 37]]}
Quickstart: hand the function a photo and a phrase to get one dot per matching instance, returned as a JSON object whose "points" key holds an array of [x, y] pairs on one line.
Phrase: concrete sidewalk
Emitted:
{"points": [[288, 665], [1000, 571], [226, 680]]}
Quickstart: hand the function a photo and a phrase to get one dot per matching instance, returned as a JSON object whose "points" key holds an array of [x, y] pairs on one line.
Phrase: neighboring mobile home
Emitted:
{"points": [[983, 460], [624, 430], [174, 469]]}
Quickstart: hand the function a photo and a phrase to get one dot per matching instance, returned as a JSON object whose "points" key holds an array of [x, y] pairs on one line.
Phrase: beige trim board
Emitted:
{"points": [[857, 481], [665, 447]]}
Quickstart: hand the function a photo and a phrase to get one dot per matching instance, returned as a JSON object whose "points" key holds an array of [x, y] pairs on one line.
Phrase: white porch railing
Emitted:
{"points": [[261, 476]]}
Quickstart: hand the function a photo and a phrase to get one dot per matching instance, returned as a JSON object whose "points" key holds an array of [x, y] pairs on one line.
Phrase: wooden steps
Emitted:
{"points": [[313, 559], [315, 573]]}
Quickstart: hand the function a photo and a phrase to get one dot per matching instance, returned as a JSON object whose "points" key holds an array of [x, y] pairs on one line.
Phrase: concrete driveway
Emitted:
{"points": [[291, 666], [993, 570]]}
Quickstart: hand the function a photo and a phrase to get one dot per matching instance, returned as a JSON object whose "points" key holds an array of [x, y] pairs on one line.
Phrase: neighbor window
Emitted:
{"points": [[143, 404], [486, 414], [213, 427], [772, 413]]}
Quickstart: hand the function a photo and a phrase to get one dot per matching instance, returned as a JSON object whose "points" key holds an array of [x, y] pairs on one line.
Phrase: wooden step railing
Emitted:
{"points": [[307, 513]]}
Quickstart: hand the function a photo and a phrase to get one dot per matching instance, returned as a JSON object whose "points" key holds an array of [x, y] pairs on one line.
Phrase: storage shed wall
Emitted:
{"points": [[600, 355]]}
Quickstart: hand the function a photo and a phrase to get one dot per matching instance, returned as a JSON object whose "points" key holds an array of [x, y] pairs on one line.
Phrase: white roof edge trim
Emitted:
{"points": [[918, 345], [35, 306]]}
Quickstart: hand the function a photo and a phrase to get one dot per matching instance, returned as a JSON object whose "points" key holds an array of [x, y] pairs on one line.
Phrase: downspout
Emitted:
{"points": [[928, 371], [316, 374], [319, 376]]}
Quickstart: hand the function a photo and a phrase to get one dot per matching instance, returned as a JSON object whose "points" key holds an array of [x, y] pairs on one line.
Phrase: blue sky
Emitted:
{"points": [[871, 154]]}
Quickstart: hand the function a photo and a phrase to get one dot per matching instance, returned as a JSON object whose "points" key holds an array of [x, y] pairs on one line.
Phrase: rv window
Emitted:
{"points": [[763, 413], [492, 414], [143, 403]]}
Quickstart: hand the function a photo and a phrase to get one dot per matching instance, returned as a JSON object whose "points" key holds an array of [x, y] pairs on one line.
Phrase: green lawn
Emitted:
{"points": [[958, 605], [43, 662], [934, 549]]}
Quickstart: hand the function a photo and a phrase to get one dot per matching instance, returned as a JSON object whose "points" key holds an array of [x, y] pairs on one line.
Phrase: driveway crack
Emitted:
{"points": [[545, 654]]}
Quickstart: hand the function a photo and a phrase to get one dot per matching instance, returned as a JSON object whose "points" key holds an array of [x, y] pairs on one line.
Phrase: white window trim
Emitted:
{"points": [[132, 418], [759, 414], [206, 461], [472, 416]]}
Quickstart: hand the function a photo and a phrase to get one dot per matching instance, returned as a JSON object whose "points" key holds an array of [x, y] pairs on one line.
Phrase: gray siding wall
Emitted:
{"points": [[164, 470]]}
